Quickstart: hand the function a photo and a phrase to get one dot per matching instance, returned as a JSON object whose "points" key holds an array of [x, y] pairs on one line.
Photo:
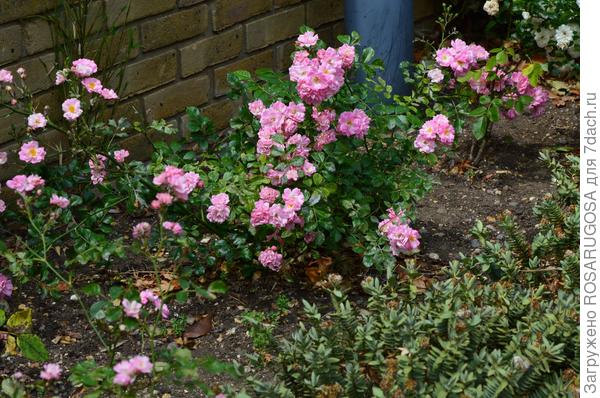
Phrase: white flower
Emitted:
{"points": [[563, 36], [542, 37], [435, 75], [491, 7], [525, 15]]}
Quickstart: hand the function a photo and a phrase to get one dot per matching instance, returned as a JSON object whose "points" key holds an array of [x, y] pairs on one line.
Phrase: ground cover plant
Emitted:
{"points": [[500, 323], [321, 166]]}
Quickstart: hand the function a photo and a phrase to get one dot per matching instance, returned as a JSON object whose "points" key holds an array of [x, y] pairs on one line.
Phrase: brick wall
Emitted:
{"points": [[186, 48]]}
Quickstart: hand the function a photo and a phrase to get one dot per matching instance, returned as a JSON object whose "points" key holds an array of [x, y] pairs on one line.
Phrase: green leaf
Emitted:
{"points": [[97, 309], [317, 178], [32, 347], [12, 388], [480, 127], [218, 287], [298, 161], [368, 54], [494, 113], [533, 73], [115, 292], [314, 198], [93, 289], [502, 57], [2, 317], [480, 111]]}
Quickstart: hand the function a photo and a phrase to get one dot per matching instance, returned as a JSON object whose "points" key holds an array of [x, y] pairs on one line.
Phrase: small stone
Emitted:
{"points": [[513, 203], [433, 256], [475, 243]]}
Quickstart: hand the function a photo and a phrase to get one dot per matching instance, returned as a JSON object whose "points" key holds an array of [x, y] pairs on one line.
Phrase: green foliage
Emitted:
{"points": [[533, 24], [555, 247], [19, 339], [485, 328], [261, 325]]}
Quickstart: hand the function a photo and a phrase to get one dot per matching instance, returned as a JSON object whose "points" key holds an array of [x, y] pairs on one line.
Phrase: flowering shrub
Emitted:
{"points": [[312, 164], [465, 82], [547, 26]]}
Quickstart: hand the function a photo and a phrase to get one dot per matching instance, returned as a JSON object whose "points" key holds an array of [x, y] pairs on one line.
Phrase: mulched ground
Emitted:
{"points": [[510, 178]]}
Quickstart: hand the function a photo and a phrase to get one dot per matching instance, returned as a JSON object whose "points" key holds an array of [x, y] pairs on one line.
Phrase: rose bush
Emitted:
{"points": [[472, 87], [313, 164]]}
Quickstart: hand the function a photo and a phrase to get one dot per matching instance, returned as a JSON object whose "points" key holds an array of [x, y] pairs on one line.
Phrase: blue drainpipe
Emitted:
{"points": [[387, 27]]}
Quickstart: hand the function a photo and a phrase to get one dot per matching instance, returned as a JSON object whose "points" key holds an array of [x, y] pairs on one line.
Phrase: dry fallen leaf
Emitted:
{"points": [[201, 327], [64, 340], [421, 284], [461, 167], [318, 269], [168, 282]]}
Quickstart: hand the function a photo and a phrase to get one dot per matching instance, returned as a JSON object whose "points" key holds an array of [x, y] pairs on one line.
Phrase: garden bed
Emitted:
{"points": [[510, 178]]}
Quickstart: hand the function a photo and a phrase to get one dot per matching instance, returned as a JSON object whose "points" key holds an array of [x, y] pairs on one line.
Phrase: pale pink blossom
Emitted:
{"points": [[147, 296], [24, 184], [354, 124], [97, 169], [121, 155], [141, 230], [108, 94], [36, 121], [60, 77], [269, 194], [92, 85], [72, 109], [32, 152], [122, 379], [347, 53], [5, 76], [269, 258], [2, 206], [141, 364], [260, 214], [174, 227], [59, 201], [51, 371], [84, 67], [6, 287], [3, 158], [307, 39], [435, 75], [256, 107], [131, 308], [164, 311], [219, 210], [293, 198]]}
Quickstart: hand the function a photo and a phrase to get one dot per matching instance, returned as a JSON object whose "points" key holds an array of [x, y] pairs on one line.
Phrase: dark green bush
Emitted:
{"points": [[504, 323]]}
